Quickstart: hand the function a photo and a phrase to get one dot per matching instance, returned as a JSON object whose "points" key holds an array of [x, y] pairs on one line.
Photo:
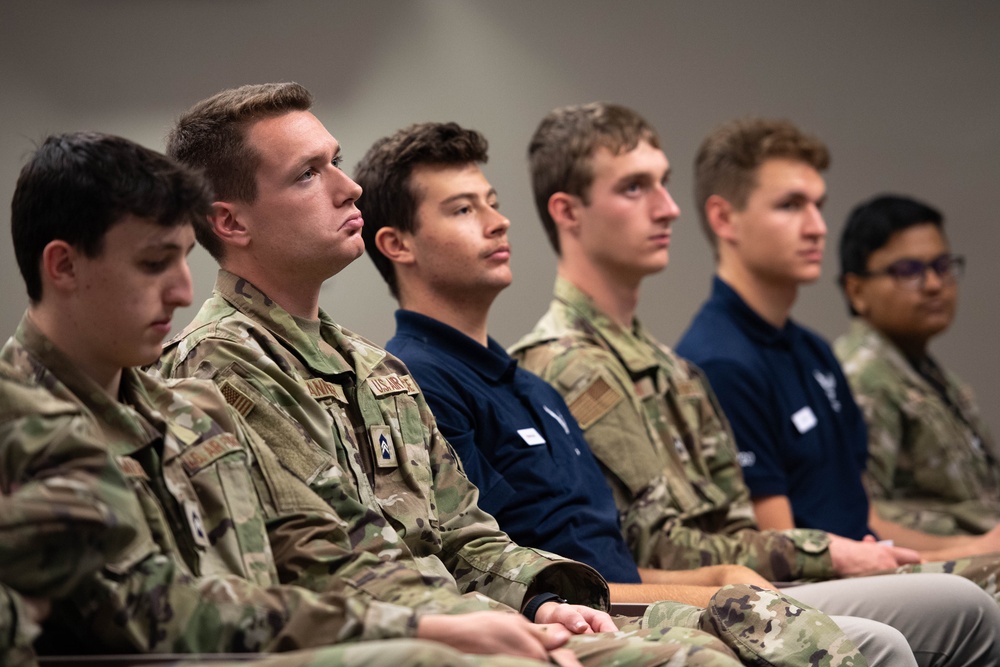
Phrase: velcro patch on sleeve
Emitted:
{"points": [[240, 402], [595, 402], [198, 457]]}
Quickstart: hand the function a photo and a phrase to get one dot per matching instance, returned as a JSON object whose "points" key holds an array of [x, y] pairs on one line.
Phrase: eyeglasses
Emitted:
{"points": [[911, 273]]}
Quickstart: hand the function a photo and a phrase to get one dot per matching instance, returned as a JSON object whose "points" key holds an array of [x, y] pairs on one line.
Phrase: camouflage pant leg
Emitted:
{"points": [[386, 653], [16, 631], [763, 627], [981, 570], [667, 646]]}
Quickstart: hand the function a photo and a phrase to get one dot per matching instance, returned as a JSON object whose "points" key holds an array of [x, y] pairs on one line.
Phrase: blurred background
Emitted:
{"points": [[904, 93]]}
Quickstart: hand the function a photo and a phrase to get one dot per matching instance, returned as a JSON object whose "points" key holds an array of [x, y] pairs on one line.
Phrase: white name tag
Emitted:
{"points": [[804, 419], [531, 436]]}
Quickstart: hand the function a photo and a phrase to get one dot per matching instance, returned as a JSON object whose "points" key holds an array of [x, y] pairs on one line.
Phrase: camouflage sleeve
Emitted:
{"points": [[884, 418], [59, 495], [17, 631], [603, 399]]}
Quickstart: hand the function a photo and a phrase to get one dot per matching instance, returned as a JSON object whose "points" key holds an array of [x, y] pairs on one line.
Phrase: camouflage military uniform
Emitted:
{"points": [[220, 527], [932, 463], [679, 490], [348, 419]]}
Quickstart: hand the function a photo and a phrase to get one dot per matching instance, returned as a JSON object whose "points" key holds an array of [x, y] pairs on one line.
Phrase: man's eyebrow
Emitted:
{"points": [[492, 192]]}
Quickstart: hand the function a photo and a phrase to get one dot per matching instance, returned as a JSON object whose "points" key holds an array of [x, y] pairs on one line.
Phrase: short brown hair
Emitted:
{"points": [[562, 147], [211, 137], [729, 158], [384, 176]]}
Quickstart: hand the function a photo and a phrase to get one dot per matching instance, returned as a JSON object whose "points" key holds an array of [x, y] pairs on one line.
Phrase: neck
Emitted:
{"points": [[466, 312], [914, 349], [61, 327], [295, 292], [616, 298], [773, 301]]}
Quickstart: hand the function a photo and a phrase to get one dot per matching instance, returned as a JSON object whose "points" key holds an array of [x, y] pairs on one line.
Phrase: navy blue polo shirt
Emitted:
{"points": [[518, 443], [799, 430]]}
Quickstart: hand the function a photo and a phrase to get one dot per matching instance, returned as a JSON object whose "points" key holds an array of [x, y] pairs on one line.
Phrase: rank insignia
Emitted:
{"points": [[382, 449]]}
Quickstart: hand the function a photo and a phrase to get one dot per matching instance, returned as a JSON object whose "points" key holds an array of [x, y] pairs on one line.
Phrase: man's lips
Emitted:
{"points": [[661, 239], [353, 223], [499, 253]]}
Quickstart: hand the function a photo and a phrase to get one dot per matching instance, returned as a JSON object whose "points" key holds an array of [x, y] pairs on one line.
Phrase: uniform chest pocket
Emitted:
{"points": [[222, 509]]}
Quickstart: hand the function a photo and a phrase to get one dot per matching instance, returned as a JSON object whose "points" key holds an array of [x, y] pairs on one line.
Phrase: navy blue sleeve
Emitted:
{"points": [[746, 402]]}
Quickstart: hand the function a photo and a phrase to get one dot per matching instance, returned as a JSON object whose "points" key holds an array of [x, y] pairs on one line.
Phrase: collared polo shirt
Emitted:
{"points": [[518, 443], [799, 430]]}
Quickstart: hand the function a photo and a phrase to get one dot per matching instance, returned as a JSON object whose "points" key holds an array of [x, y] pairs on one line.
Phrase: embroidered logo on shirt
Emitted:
{"points": [[382, 449], [595, 402], [198, 457], [746, 459], [804, 419], [387, 384], [558, 417], [828, 381], [531, 436]]}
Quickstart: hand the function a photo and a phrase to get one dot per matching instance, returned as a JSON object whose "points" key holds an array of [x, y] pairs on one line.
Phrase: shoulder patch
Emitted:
{"points": [[198, 457], [595, 402], [239, 400]]}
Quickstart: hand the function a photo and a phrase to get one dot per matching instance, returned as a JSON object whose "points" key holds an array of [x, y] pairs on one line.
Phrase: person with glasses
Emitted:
{"points": [[932, 462]]}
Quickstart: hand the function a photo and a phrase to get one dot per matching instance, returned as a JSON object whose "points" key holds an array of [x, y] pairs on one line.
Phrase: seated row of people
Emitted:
{"points": [[314, 491]]}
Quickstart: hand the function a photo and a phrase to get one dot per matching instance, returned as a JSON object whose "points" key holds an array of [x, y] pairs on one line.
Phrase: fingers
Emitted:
{"points": [[549, 635]]}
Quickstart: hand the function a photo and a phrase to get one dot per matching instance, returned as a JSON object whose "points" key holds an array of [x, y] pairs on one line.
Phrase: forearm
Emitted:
{"points": [[698, 596], [712, 576], [931, 547]]}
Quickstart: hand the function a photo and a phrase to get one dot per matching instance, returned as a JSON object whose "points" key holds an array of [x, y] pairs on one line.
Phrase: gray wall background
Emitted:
{"points": [[905, 93]]}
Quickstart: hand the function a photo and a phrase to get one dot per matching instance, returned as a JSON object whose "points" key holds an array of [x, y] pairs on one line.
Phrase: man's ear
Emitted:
{"points": [[227, 222], [564, 210], [854, 289], [58, 265], [395, 245], [720, 213]]}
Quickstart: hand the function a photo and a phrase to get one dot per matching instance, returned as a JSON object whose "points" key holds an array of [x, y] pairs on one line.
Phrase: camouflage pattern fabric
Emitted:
{"points": [[348, 419], [220, 527], [932, 463], [17, 631], [680, 491]]}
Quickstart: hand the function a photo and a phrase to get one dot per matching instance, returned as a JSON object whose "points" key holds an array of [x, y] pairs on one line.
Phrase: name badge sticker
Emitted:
{"points": [[531, 437], [382, 449], [804, 420]]}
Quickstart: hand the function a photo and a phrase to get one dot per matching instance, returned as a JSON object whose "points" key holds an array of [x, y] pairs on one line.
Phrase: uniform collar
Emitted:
{"points": [[491, 362], [638, 359], [336, 351], [55, 371]]}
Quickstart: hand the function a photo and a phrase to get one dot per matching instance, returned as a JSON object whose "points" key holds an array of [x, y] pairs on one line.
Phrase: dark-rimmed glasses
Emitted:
{"points": [[911, 273]]}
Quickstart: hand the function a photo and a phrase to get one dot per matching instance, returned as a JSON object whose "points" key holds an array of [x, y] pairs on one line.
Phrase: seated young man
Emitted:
{"points": [[803, 438], [437, 239], [933, 464], [342, 414], [600, 185], [59, 522], [219, 530]]}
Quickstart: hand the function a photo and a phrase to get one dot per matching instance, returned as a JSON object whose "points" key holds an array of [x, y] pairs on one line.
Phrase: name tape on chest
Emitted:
{"points": [[382, 449], [319, 389], [131, 468], [392, 384], [198, 457]]}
